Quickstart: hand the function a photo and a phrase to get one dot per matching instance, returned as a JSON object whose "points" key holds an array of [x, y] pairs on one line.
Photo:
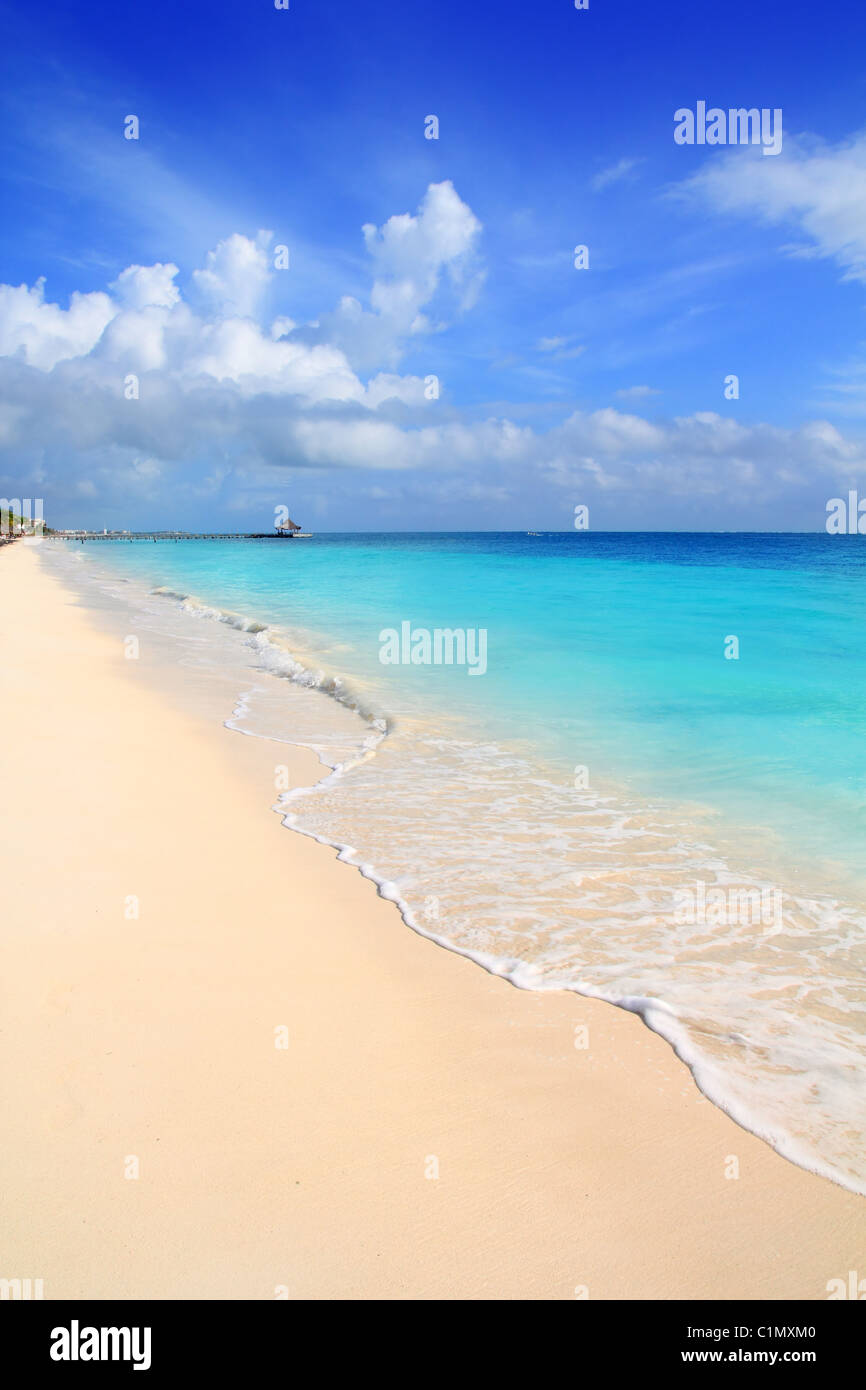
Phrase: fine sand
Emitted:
{"points": [[308, 1170]]}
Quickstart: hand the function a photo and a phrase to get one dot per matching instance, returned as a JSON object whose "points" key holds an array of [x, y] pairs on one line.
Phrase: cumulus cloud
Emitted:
{"points": [[144, 325], [234, 278], [412, 255], [44, 334], [147, 286], [215, 374], [244, 395]]}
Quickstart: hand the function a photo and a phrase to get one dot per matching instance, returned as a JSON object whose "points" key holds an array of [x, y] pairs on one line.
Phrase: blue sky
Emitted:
{"points": [[306, 386]]}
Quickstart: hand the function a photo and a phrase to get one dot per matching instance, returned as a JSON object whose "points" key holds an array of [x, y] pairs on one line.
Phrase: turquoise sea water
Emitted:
{"points": [[553, 815]]}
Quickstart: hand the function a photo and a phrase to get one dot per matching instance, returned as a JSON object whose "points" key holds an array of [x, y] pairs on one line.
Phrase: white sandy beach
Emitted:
{"points": [[310, 1170]]}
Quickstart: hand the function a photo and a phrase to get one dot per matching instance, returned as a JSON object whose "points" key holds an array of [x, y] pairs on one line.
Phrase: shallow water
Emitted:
{"points": [[589, 812]]}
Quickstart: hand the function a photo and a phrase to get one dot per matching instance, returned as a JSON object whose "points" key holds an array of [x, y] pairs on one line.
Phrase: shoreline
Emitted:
{"points": [[302, 667], [560, 1168]]}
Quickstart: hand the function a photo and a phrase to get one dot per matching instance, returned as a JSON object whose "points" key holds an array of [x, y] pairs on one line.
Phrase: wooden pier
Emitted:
{"points": [[179, 535]]}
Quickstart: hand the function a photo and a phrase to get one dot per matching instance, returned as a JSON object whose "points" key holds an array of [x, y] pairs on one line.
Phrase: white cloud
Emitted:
{"points": [[214, 373], [615, 173], [144, 325], [817, 187], [44, 334], [410, 253], [559, 348], [237, 350], [701, 455], [411, 256], [147, 286], [636, 393], [386, 386], [246, 395], [234, 279]]}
